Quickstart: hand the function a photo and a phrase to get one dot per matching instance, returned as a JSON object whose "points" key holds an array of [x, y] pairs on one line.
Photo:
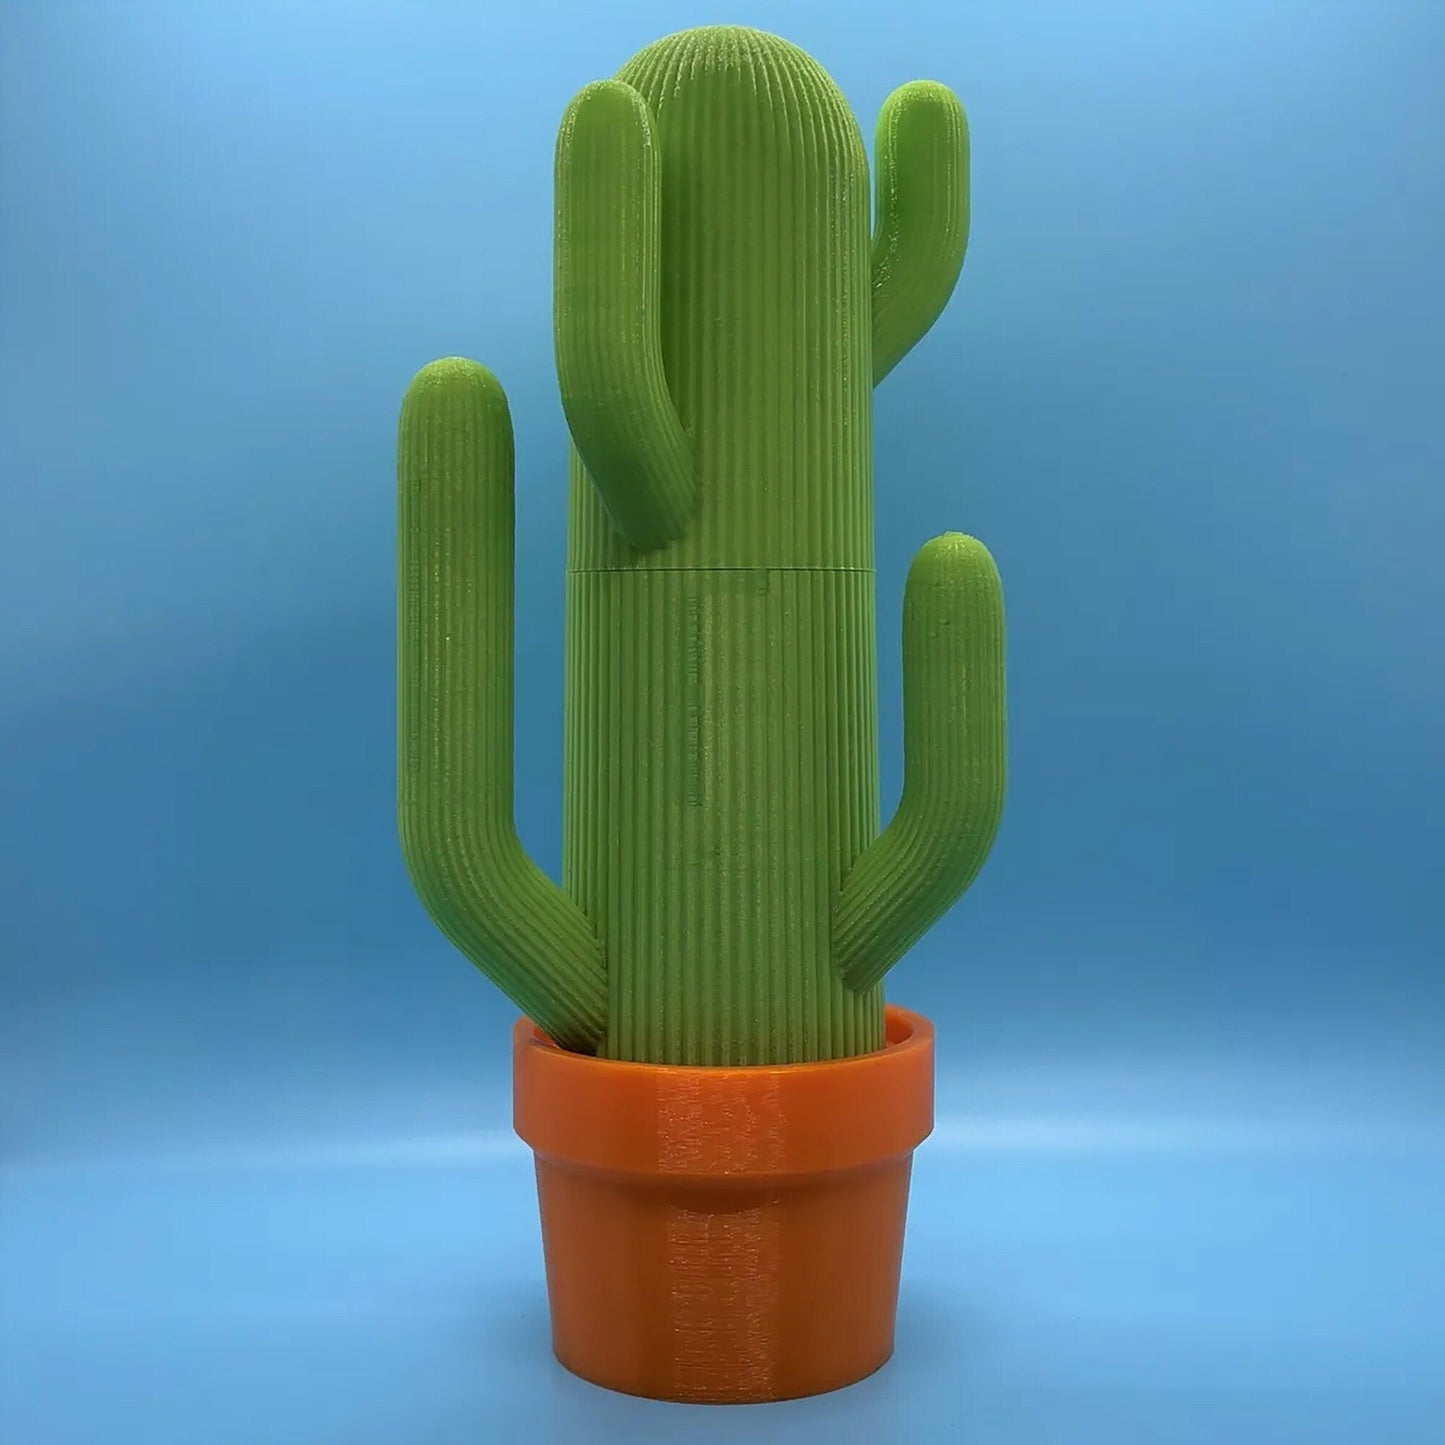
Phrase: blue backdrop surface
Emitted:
{"points": [[1189, 1178]]}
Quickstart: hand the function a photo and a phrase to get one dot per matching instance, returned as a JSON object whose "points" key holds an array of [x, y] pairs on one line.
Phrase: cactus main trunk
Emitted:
{"points": [[721, 729]]}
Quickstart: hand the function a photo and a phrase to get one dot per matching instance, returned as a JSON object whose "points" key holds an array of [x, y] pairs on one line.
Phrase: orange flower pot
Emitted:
{"points": [[724, 1235]]}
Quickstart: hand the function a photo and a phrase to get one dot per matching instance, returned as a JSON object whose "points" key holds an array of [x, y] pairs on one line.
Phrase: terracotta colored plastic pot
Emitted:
{"points": [[724, 1234]]}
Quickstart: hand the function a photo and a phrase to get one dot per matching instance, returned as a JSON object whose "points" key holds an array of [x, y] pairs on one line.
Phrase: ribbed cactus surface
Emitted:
{"points": [[723, 312]]}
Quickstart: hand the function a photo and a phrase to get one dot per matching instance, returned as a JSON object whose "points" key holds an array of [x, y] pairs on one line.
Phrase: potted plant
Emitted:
{"points": [[722, 1107]]}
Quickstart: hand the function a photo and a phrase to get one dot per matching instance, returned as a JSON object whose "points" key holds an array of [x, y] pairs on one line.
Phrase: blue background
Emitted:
{"points": [[1189, 1177]]}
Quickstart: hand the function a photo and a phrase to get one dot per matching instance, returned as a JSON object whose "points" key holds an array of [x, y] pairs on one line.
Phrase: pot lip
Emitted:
{"points": [[905, 1030], [754, 1122]]}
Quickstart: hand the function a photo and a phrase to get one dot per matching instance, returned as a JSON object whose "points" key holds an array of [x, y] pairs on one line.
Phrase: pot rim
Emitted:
{"points": [[752, 1123]]}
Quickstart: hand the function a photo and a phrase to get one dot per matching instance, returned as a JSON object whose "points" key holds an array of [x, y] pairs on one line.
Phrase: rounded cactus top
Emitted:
{"points": [[731, 71], [757, 142]]}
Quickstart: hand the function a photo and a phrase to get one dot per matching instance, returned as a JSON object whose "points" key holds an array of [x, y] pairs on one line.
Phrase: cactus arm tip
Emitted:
{"points": [[921, 215], [954, 762], [607, 305], [456, 537]]}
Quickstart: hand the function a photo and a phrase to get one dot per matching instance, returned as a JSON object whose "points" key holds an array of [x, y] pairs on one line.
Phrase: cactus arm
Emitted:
{"points": [[608, 282], [455, 709], [954, 762], [920, 215]]}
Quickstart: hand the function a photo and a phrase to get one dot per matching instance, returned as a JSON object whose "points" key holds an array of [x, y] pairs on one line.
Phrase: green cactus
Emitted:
{"points": [[722, 315]]}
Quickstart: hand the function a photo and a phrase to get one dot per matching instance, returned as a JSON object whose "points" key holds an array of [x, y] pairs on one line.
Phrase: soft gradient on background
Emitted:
{"points": [[1189, 1177]]}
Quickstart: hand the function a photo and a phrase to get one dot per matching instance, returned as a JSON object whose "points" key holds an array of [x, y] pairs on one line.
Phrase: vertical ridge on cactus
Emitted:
{"points": [[723, 310]]}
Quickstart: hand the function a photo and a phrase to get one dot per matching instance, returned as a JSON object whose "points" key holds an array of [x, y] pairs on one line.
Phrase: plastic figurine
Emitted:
{"points": [[723, 1110]]}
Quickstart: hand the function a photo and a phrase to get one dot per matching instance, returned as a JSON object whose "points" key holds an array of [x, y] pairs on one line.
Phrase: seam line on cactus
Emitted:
{"points": [[644, 571]]}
